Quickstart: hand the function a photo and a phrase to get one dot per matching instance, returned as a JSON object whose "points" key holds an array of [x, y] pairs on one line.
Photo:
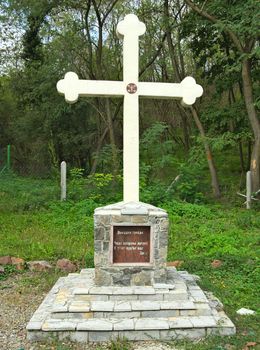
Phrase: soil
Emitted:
{"points": [[19, 300]]}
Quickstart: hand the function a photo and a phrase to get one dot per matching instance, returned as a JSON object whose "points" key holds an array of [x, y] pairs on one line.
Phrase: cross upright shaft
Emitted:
{"points": [[130, 29], [72, 87]]}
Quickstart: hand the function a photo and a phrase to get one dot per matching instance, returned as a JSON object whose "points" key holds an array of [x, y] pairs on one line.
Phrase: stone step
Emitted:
{"points": [[132, 314], [127, 324], [132, 310], [137, 290], [83, 306], [62, 301], [129, 294], [138, 305], [171, 328]]}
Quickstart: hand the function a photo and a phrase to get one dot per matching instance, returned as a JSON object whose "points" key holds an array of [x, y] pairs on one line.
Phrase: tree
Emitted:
{"points": [[64, 35], [239, 21], [177, 60]]}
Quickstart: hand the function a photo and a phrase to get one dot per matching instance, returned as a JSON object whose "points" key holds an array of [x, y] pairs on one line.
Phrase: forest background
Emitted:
{"points": [[210, 145]]}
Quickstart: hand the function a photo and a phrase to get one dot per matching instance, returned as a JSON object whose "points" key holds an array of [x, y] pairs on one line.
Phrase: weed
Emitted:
{"points": [[8, 271], [120, 344]]}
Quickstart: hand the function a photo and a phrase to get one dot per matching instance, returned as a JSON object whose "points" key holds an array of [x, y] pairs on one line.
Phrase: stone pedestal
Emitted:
{"points": [[130, 293], [80, 311], [130, 242]]}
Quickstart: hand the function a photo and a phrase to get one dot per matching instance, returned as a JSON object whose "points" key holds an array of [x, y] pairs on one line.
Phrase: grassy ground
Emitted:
{"points": [[35, 225]]}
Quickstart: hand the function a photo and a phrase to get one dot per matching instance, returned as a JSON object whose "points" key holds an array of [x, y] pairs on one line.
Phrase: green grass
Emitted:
{"points": [[19, 194], [213, 232], [34, 224], [44, 236]]}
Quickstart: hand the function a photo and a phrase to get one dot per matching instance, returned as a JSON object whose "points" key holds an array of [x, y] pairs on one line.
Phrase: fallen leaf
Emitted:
{"points": [[249, 345], [176, 263], [216, 263], [230, 347]]}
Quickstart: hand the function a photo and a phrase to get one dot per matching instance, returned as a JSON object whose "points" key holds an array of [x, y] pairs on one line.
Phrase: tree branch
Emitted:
{"points": [[154, 56], [251, 44], [214, 19], [100, 38], [109, 9], [89, 41], [96, 8], [169, 39]]}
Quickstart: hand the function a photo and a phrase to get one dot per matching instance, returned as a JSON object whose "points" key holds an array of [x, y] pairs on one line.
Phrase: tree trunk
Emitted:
{"points": [[232, 100], [172, 52], [251, 111], [99, 145], [241, 156], [212, 168], [174, 61], [111, 136], [185, 129]]}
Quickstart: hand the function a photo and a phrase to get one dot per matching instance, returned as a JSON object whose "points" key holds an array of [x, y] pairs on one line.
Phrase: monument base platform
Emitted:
{"points": [[77, 309]]}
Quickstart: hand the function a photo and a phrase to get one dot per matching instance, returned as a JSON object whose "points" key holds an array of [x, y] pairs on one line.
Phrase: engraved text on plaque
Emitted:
{"points": [[131, 244]]}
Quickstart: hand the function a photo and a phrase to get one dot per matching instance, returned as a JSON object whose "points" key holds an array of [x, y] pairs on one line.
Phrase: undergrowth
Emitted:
{"points": [[35, 225]]}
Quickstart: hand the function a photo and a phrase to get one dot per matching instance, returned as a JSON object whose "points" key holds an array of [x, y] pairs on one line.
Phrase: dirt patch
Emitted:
{"points": [[20, 296]]}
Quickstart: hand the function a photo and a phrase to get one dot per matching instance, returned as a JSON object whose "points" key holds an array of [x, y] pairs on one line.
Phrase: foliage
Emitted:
{"points": [[187, 210], [156, 151], [98, 187], [58, 36], [8, 271], [19, 194], [189, 186], [120, 344], [76, 183], [105, 156], [105, 187], [210, 233], [43, 40]]}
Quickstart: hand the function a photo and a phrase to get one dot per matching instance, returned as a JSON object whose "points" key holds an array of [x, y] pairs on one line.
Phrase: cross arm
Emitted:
{"points": [[187, 90], [73, 87]]}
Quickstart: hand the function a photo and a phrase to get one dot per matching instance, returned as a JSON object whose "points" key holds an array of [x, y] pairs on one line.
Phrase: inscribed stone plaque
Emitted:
{"points": [[131, 244]]}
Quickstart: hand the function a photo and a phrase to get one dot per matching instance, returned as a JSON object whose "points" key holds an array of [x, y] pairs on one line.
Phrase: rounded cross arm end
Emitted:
{"points": [[130, 25], [69, 87], [190, 91]]}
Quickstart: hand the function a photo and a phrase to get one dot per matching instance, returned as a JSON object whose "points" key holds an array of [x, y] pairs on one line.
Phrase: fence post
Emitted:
{"points": [[8, 164], [248, 190], [63, 176]]}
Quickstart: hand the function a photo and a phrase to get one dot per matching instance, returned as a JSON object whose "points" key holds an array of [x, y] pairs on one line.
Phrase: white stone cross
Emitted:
{"points": [[130, 88]]}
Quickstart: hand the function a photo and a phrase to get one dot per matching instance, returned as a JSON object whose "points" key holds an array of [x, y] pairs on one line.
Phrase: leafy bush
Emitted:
{"points": [[108, 153], [188, 210], [154, 194], [248, 219], [190, 186], [76, 184], [157, 153], [104, 187], [98, 187]]}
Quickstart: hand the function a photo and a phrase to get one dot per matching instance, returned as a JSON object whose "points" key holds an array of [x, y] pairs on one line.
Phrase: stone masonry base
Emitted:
{"points": [[132, 215], [77, 309]]}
